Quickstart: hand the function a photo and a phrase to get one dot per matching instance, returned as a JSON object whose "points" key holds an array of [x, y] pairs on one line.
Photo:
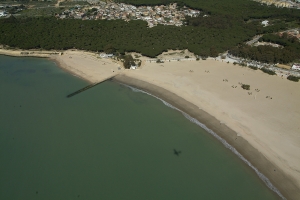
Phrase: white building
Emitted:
{"points": [[296, 67], [2, 14], [104, 55], [265, 22]]}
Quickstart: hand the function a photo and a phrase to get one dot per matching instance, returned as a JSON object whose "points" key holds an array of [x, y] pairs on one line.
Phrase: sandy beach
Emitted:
{"points": [[88, 66], [261, 123]]}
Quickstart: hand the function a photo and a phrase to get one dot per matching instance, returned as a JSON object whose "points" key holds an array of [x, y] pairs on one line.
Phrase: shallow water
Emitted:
{"points": [[107, 142]]}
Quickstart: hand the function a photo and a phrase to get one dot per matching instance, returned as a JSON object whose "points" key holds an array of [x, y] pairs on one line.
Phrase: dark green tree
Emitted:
{"points": [[128, 61], [109, 49]]}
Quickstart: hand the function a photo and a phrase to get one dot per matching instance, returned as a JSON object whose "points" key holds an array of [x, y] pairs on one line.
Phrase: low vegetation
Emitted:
{"points": [[243, 64], [34, 12], [268, 71], [246, 87], [293, 78], [252, 67], [128, 61]]}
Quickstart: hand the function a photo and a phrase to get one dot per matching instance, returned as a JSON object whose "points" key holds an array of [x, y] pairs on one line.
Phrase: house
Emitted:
{"points": [[265, 22], [2, 14], [104, 55], [77, 17], [150, 25], [296, 66]]}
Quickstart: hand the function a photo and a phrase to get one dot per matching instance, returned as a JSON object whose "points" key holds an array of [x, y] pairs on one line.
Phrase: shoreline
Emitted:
{"points": [[28, 53], [62, 66], [174, 87], [285, 188]]}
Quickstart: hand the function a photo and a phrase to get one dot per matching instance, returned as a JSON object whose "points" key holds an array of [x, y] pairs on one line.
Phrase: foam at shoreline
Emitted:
{"points": [[278, 182], [232, 149]]}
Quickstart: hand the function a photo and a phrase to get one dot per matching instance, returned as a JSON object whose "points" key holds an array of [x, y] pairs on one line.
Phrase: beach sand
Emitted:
{"points": [[268, 119], [86, 65], [261, 123]]}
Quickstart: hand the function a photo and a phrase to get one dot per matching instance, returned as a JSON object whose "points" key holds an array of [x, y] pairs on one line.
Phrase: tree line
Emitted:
{"points": [[289, 50], [267, 54], [133, 36], [229, 24]]}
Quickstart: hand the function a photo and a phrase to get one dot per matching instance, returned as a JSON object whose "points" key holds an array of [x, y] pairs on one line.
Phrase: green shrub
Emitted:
{"points": [[268, 71], [293, 78], [252, 67], [128, 61], [187, 57], [243, 64], [246, 87]]}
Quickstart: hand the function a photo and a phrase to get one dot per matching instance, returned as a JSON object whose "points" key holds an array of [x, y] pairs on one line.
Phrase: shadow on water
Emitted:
{"points": [[87, 87]]}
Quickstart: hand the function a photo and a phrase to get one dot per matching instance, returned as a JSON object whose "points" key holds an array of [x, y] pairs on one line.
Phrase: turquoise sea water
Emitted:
{"points": [[106, 143]]}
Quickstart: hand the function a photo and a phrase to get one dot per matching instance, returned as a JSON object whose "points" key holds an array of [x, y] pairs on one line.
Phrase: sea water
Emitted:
{"points": [[108, 142]]}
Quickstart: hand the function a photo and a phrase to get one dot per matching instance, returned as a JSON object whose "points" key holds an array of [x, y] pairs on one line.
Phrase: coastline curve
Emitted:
{"points": [[223, 141], [276, 180]]}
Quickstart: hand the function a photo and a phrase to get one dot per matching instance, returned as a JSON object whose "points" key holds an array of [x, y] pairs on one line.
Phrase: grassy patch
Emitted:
{"points": [[40, 12]]}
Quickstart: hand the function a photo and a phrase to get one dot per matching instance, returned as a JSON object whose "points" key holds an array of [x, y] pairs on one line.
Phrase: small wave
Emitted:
{"points": [[193, 120]]}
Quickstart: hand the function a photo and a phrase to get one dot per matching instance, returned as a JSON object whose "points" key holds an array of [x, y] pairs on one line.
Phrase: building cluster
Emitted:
{"points": [[282, 3], [7, 9], [166, 15], [3, 12], [296, 66]]}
